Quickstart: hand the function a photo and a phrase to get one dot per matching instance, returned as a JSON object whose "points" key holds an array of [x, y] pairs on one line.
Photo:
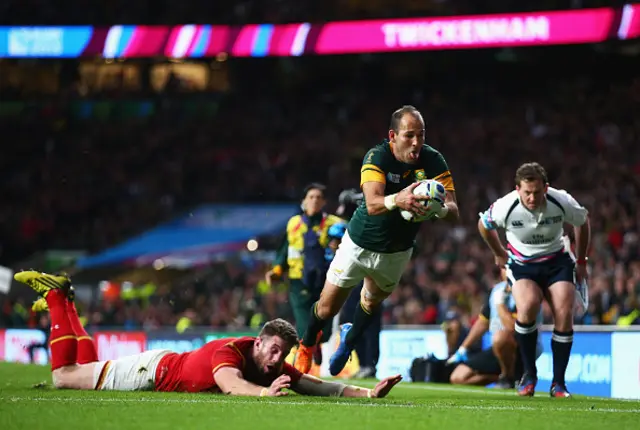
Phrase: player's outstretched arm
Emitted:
{"points": [[381, 389], [231, 381], [312, 386]]}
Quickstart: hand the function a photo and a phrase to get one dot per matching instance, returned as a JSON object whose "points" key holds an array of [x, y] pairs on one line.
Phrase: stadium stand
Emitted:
{"points": [[89, 162]]}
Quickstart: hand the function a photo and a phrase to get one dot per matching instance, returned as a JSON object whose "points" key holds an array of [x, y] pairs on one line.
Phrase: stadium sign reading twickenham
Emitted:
{"points": [[466, 31]]}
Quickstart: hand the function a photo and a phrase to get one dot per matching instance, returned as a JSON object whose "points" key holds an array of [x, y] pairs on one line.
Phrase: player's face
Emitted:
{"points": [[409, 139], [313, 202], [532, 193], [270, 354]]}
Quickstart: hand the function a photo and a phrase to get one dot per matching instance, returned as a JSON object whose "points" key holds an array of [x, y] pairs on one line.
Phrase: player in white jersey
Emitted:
{"points": [[538, 266], [500, 363]]}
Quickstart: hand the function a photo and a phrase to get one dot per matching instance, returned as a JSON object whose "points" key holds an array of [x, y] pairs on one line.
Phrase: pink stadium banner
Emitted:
{"points": [[344, 37], [485, 31]]}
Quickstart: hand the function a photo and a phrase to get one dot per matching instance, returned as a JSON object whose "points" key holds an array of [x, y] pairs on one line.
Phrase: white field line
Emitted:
{"points": [[484, 392], [286, 403]]}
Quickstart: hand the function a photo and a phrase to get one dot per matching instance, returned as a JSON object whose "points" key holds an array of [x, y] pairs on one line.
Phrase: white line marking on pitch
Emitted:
{"points": [[210, 400], [492, 392]]}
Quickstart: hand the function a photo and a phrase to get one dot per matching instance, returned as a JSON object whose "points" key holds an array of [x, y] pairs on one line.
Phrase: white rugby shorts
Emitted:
{"points": [[133, 373], [353, 263]]}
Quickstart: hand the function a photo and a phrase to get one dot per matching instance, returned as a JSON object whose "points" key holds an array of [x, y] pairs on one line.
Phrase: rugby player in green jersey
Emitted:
{"points": [[378, 243]]}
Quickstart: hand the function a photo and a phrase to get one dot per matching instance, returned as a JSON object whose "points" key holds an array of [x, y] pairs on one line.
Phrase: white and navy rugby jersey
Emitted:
{"points": [[534, 236]]}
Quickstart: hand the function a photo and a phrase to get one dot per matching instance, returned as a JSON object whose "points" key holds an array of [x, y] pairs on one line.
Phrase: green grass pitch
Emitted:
{"points": [[409, 406]]}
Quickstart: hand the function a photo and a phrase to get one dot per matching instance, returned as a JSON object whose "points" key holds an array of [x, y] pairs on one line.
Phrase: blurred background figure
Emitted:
{"points": [[303, 253], [44, 325]]}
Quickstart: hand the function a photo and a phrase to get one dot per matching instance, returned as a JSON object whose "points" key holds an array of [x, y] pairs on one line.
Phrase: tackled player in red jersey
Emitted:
{"points": [[246, 366]]}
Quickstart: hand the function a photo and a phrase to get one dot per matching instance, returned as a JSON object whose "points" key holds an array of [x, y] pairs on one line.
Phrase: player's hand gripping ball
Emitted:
{"points": [[437, 194]]}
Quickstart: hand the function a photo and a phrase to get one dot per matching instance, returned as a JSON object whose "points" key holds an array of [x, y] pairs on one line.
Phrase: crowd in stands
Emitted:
{"points": [[89, 184]]}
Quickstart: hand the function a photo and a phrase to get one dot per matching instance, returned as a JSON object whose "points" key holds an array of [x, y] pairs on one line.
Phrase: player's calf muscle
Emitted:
{"points": [[563, 321], [331, 300], [563, 317]]}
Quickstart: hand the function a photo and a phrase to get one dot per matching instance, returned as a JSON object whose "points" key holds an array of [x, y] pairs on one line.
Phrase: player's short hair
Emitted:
{"points": [[281, 328], [398, 114], [314, 186], [531, 172]]}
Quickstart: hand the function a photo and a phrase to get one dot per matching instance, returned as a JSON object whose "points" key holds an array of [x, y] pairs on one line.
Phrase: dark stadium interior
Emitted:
{"points": [[94, 152], [149, 12]]}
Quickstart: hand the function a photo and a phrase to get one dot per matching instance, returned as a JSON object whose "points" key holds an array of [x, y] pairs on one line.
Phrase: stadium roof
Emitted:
{"points": [[207, 230]]}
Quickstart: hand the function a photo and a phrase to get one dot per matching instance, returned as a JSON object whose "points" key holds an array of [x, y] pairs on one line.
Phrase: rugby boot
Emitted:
{"points": [[40, 305], [42, 283], [304, 356], [559, 390], [340, 358], [527, 386]]}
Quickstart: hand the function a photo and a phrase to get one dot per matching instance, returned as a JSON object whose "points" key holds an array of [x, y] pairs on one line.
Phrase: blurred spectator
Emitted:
{"points": [[42, 325]]}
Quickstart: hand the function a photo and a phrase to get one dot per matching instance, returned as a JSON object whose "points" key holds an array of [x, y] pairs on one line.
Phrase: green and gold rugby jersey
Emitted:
{"points": [[389, 232]]}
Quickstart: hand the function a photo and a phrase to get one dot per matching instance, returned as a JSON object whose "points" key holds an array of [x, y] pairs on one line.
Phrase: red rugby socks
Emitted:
{"points": [[63, 342], [86, 348]]}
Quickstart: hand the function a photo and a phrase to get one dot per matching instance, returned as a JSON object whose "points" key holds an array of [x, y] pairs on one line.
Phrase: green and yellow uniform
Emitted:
{"points": [[294, 253], [389, 232]]}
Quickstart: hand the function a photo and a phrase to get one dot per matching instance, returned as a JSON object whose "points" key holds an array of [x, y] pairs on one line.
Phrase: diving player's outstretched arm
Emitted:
{"points": [[312, 386], [231, 382]]}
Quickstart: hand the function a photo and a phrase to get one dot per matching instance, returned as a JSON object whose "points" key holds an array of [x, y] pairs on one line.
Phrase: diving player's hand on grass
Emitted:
{"points": [[383, 387], [281, 382], [408, 201]]}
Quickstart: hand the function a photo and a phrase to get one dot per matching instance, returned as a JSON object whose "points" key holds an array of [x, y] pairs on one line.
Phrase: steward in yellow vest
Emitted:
{"points": [[303, 254]]}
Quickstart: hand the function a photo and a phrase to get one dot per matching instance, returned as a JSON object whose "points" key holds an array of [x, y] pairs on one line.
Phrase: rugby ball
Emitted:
{"points": [[435, 190]]}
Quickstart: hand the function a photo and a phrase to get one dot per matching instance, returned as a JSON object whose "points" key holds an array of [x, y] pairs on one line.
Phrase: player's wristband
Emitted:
{"points": [[582, 261], [390, 202], [369, 393], [264, 392]]}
